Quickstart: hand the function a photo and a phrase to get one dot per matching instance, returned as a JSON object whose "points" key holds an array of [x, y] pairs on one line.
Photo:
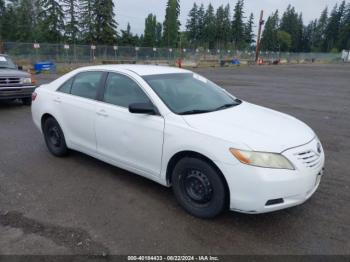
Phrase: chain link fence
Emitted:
{"points": [[62, 53]]}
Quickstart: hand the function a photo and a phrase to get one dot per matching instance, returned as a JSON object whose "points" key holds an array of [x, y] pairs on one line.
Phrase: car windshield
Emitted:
{"points": [[187, 93], [6, 62]]}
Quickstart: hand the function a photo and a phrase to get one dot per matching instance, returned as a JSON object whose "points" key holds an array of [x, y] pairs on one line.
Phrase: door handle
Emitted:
{"points": [[102, 113]]}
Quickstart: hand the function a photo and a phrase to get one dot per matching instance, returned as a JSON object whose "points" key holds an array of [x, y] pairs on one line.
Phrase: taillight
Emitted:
{"points": [[34, 95]]}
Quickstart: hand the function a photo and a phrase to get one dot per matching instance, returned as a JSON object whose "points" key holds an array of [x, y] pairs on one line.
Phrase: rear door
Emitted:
{"points": [[134, 140], [76, 102]]}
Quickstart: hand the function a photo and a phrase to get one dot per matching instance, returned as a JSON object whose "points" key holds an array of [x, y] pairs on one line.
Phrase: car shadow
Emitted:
{"points": [[6, 104]]}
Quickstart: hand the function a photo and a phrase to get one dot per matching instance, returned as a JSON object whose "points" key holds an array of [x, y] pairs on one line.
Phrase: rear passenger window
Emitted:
{"points": [[86, 84], [65, 88], [122, 91]]}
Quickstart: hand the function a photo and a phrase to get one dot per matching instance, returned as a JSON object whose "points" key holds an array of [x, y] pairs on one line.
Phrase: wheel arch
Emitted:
{"points": [[188, 153], [44, 117]]}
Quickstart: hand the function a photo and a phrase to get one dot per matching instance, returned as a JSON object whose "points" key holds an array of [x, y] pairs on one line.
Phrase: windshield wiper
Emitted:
{"points": [[198, 111], [194, 111], [228, 105]]}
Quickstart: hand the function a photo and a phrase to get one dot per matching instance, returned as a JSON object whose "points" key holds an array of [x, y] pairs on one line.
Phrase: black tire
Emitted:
{"points": [[54, 138], [27, 101], [199, 188]]}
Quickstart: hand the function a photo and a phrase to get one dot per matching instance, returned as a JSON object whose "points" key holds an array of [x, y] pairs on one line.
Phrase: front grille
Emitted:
{"points": [[9, 80], [309, 158]]}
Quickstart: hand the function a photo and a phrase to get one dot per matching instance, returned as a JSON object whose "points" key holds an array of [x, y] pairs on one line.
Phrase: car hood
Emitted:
{"points": [[258, 128], [13, 73]]}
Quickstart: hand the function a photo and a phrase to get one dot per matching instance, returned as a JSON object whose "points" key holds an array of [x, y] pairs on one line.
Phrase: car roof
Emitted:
{"points": [[142, 70]]}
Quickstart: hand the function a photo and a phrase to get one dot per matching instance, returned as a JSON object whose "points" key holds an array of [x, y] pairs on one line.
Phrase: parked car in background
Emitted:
{"points": [[182, 130], [15, 83]]}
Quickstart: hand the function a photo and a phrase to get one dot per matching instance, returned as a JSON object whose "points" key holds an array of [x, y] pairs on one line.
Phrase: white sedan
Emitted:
{"points": [[182, 130]]}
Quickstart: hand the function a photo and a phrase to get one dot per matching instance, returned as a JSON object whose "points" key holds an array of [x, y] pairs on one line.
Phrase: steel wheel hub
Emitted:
{"points": [[198, 187], [54, 136]]}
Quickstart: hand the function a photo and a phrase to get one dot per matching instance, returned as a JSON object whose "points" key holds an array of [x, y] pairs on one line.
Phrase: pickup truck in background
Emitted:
{"points": [[14, 83]]}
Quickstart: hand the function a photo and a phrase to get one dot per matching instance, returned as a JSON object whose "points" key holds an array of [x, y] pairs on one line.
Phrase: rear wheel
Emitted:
{"points": [[199, 188], [27, 101], [54, 138]]}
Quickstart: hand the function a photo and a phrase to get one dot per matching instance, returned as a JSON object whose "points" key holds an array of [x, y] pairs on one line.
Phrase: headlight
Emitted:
{"points": [[26, 80], [262, 159]]}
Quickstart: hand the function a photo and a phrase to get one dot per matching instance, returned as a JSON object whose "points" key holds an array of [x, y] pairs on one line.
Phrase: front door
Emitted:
{"points": [[134, 140]]}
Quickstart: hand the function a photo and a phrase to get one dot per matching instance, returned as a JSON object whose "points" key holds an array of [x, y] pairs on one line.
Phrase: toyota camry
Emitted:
{"points": [[183, 131]]}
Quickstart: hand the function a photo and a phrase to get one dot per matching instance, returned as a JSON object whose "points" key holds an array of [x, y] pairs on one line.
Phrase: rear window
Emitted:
{"points": [[83, 84]]}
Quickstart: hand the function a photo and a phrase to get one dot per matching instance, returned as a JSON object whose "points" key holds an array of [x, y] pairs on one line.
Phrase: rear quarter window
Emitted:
{"points": [[86, 84], [66, 87]]}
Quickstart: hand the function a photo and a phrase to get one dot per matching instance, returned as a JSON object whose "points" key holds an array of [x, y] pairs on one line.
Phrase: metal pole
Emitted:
{"points": [[261, 22]]}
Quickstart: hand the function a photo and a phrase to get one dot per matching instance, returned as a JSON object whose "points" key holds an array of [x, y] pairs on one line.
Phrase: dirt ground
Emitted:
{"points": [[79, 205]]}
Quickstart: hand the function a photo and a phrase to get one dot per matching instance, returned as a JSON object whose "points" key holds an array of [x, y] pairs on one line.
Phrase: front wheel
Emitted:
{"points": [[54, 137], [199, 188]]}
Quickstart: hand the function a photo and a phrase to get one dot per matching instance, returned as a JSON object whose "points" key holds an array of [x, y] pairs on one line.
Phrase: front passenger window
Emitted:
{"points": [[122, 91], [86, 84]]}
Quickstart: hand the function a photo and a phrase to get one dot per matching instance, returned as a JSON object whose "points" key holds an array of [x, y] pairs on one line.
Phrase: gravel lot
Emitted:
{"points": [[79, 205]]}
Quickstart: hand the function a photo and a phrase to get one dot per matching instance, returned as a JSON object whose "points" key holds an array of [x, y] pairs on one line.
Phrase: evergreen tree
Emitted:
{"points": [[269, 40], [105, 26], [227, 26], [320, 30], [200, 25], [87, 21], [127, 38], [192, 25], [171, 23], [70, 8], [223, 26], [150, 31], [9, 20], [292, 23], [238, 27], [300, 37], [309, 36], [249, 31], [333, 28], [2, 14], [25, 21], [209, 27], [219, 25], [159, 29], [344, 34], [51, 21]]}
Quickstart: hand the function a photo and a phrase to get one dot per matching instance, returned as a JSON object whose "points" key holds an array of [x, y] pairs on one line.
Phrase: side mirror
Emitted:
{"points": [[20, 67], [142, 108]]}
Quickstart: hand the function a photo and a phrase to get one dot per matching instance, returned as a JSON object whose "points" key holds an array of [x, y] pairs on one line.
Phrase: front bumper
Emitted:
{"points": [[16, 92], [262, 190]]}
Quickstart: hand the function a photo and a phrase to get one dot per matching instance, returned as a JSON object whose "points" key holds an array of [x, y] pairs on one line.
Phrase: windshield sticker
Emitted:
{"points": [[3, 59], [200, 78]]}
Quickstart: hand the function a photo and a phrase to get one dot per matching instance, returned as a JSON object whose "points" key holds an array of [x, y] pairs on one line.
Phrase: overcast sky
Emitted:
{"points": [[135, 11]]}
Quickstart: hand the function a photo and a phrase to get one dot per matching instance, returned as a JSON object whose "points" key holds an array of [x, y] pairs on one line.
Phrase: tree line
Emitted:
{"points": [[94, 22], [208, 28], [82, 22], [329, 33]]}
